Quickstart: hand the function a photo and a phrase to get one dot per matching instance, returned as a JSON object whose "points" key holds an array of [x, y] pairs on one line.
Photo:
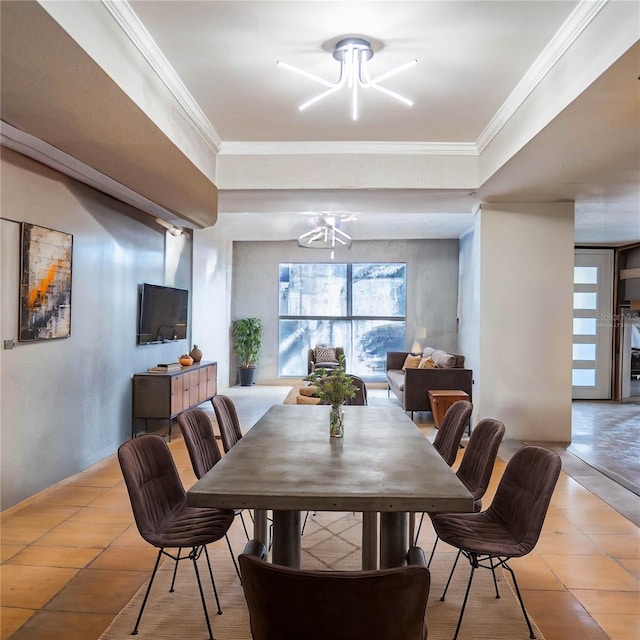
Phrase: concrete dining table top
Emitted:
{"points": [[288, 463]]}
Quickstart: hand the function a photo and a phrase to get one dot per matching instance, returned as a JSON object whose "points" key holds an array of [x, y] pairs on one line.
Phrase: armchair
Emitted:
{"points": [[327, 362]]}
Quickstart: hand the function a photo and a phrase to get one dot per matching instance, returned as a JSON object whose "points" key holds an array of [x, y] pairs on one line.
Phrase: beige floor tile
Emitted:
{"points": [[632, 565], [12, 619], [591, 572], [71, 557], [595, 601], [7, 551], [601, 520], [130, 538], [112, 498], [82, 535], [22, 535], [559, 524], [560, 616], [86, 592], [107, 515], [619, 627], [126, 558], [533, 573], [618, 545], [71, 495], [36, 516], [567, 543], [63, 625], [32, 587], [575, 498]]}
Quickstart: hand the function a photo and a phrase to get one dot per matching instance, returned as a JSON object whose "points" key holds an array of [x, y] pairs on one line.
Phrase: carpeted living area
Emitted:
{"points": [[331, 541]]}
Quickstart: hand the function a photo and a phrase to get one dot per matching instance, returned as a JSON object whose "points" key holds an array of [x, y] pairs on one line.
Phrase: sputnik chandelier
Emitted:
{"points": [[326, 235], [353, 54]]}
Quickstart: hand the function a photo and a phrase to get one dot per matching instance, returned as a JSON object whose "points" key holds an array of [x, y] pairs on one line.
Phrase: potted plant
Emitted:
{"points": [[247, 343], [334, 386]]}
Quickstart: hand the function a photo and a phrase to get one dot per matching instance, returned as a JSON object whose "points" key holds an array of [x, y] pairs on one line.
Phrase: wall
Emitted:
{"points": [[65, 404], [432, 288], [525, 262]]}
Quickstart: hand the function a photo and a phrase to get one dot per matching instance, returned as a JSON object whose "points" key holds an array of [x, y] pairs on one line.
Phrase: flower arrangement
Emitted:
{"points": [[333, 386]]}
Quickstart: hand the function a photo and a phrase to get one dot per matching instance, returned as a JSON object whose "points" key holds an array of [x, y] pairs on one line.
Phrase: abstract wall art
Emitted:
{"points": [[45, 283]]}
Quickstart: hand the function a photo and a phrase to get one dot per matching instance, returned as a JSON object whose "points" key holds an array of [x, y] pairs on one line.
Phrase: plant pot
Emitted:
{"points": [[246, 376]]}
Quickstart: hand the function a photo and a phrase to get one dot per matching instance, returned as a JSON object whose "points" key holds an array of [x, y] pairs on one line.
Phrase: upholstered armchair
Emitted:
{"points": [[328, 358]]}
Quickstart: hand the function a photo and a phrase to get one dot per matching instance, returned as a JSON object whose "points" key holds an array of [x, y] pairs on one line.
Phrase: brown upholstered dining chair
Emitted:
{"points": [[477, 463], [511, 526], [204, 453], [162, 515], [227, 418], [450, 432], [299, 604]]}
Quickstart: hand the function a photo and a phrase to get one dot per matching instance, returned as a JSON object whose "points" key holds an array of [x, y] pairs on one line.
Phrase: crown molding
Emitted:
{"points": [[326, 148], [129, 22], [572, 27]]}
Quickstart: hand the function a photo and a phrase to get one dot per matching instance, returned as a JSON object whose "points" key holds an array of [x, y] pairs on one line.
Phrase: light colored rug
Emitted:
{"points": [[331, 540]]}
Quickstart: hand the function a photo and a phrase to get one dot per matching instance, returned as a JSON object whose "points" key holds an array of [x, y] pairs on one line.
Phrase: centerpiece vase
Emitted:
{"points": [[336, 421]]}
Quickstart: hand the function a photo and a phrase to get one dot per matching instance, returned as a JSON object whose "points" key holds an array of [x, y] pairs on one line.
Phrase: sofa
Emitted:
{"points": [[412, 385]]}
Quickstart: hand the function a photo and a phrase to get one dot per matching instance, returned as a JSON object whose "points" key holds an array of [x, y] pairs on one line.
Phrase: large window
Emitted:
{"points": [[361, 307]]}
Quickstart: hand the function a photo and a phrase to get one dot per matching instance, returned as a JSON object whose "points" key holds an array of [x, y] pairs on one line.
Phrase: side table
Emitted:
{"points": [[442, 399]]}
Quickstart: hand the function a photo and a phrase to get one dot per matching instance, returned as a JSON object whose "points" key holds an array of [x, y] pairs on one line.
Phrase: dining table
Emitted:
{"points": [[287, 463]]}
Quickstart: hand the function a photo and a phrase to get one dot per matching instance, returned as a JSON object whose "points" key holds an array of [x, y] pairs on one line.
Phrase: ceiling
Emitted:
{"points": [[511, 103]]}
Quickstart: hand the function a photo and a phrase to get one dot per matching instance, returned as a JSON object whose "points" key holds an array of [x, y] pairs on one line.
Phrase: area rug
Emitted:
{"points": [[330, 541]]}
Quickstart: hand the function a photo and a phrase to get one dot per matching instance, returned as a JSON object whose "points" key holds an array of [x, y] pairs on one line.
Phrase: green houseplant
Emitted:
{"points": [[247, 343]]}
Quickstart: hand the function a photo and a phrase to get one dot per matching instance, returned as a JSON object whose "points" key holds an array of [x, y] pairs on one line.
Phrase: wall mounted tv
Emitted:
{"points": [[163, 314]]}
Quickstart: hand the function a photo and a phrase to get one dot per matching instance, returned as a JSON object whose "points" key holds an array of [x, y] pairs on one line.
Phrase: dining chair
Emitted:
{"points": [[300, 604], [510, 527], [477, 464], [228, 423], [449, 434], [204, 453], [162, 515]]}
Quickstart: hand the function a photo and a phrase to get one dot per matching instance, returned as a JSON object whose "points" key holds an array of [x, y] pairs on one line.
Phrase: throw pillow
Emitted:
{"points": [[309, 390], [428, 351], [325, 354], [444, 360], [427, 363], [307, 400], [411, 362]]}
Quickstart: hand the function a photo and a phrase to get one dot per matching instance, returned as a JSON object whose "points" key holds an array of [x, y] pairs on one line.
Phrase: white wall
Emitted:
{"points": [[65, 404], [432, 288], [525, 321]]}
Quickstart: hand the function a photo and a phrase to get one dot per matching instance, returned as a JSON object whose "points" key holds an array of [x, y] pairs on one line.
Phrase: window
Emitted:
{"points": [[361, 307]]}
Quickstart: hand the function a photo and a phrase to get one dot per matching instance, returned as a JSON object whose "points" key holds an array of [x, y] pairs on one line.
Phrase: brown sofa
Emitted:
{"points": [[412, 385]]}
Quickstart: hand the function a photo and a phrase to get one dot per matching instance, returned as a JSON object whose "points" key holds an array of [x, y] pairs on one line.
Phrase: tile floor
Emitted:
{"points": [[72, 558]]}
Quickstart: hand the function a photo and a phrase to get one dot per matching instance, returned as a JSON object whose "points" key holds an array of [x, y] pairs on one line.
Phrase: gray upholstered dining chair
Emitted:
{"points": [[298, 604], [450, 432], [162, 515], [510, 527]]}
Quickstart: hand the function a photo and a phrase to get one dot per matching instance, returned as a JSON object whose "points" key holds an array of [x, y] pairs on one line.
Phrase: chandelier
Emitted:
{"points": [[353, 55], [326, 236]]}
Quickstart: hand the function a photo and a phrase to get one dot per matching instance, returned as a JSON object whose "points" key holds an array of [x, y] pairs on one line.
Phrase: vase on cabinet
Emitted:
{"points": [[195, 353]]}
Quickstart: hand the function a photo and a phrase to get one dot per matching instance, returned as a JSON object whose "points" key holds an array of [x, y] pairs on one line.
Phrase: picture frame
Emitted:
{"points": [[45, 283]]}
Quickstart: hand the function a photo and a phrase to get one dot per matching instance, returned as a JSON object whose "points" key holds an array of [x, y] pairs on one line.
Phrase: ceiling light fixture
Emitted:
{"points": [[325, 236], [353, 55]]}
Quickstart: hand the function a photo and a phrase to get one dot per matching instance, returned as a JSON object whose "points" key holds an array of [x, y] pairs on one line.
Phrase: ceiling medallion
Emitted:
{"points": [[353, 54]]}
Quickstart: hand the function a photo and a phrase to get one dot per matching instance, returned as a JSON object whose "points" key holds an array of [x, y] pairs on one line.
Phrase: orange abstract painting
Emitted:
{"points": [[45, 286]]}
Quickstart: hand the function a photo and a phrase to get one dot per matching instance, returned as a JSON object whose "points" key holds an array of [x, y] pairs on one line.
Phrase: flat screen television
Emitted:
{"points": [[163, 314]]}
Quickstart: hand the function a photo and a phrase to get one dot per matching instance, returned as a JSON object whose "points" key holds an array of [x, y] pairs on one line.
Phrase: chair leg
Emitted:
{"points": [[444, 593], [474, 564], [194, 555], [304, 524], [175, 571], [495, 581], [415, 542], [233, 558], [435, 544], [146, 595], [524, 611], [213, 583], [244, 526]]}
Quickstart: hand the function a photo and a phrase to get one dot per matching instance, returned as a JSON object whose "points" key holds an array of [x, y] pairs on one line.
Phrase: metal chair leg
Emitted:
{"points": [[466, 596], [444, 593], [233, 558], [415, 542], [175, 571], [435, 544], [146, 595], [524, 611], [194, 555], [213, 582], [244, 526]]}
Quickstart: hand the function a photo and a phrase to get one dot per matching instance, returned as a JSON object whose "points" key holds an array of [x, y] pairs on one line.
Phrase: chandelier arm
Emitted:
{"points": [[391, 94], [306, 74], [317, 98], [387, 74]]}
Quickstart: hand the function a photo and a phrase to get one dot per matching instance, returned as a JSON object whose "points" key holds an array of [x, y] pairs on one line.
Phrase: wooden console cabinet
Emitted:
{"points": [[162, 396]]}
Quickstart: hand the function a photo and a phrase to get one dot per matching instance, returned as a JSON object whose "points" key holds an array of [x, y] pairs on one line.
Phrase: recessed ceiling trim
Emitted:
{"points": [[142, 40], [45, 153], [321, 148], [572, 27]]}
